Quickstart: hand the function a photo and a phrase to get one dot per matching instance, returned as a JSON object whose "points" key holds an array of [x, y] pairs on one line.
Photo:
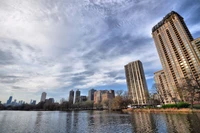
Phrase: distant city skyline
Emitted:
{"points": [[80, 44]]}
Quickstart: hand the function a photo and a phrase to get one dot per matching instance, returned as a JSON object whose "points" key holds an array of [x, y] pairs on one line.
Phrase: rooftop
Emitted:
{"points": [[163, 20]]}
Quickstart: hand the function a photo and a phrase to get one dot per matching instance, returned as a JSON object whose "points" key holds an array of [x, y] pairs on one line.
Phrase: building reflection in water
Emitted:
{"points": [[143, 122], [69, 123], [38, 121], [183, 123], [171, 123], [177, 123], [98, 122]]}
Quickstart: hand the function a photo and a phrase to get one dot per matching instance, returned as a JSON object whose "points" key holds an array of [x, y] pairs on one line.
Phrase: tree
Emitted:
{"points": [[98, 106], [126, 100], [106, 103], [165, 93], [189, 87], [117, 103], [64, 105], [119, 92], [121, 101]]}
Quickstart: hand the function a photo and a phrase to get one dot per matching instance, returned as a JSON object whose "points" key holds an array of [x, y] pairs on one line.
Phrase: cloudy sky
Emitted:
{"points": [[59, 45]]}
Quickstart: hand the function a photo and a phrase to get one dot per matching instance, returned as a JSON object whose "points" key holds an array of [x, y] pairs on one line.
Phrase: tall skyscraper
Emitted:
{"points": [[136, 82], [78, 94], [43, 97], [177, 54], [91, 94], [9, 100], [162, 87], [71, 97]]}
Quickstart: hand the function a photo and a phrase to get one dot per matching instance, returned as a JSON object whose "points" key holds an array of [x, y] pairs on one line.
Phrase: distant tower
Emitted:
{"points": [[78, 94], [136, 82], [91, 94], [71, 97], [9, 100], [31, 101], [43, 97], [34, 102]]}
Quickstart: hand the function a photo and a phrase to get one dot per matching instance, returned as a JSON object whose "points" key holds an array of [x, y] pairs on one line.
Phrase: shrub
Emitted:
{"points": [[179, 105], [183, 105], [169, 106], [197, 106]]}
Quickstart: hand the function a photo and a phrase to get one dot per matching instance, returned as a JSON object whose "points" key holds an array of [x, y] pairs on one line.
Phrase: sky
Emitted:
{"points": [[59, 45]]}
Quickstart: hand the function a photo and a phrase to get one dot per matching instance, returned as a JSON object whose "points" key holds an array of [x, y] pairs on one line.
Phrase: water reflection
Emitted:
{"points": [[37, 122], [97, 122], [143, 122], [165, 123]]}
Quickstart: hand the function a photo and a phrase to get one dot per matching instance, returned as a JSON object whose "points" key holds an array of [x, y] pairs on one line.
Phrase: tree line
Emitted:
{"points": [[119, 102]]}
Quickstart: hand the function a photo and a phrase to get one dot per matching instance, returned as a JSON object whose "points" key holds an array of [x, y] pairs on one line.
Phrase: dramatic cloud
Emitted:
{"points": [[56, 46]]}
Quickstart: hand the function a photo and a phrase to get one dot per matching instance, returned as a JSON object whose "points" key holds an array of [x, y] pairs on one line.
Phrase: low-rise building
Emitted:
{"points": [[102, 95], [82, 99], [49, 101]]}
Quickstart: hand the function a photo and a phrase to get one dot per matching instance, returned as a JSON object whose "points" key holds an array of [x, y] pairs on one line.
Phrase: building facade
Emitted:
{"points": [[91, 94], [97, 97], [43, 97], [71, 97], [49, 101], [177, 55], [102, 95], [82, 98], [78, 94], [136, 82], [34, 102], [162, 87], [196, 46]]}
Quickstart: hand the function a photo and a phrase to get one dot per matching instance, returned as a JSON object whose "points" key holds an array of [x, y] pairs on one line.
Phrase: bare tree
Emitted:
{"points": [[189, 87], [121, 101], [119, 92], [156, 88]]}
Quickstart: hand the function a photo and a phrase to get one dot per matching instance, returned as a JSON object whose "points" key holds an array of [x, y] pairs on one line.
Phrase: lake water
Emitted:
{"points": [[96, 122]]}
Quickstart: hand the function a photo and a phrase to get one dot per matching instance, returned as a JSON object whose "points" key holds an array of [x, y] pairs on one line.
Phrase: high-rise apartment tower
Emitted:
{"points": [[78, 94], [91, 94], [71, 97], [136, 82], [173, 41]]}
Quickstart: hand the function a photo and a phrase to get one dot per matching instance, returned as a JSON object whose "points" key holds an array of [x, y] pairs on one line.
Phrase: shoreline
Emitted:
{"points": [[170, 110], [54, 110]]}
